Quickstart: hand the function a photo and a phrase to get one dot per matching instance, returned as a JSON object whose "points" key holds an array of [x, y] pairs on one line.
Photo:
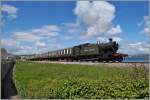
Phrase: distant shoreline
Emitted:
{"points": [[137, 59]]}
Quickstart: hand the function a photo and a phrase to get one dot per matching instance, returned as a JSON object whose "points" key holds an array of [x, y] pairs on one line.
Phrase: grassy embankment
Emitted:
{"points": [[37, 80]]}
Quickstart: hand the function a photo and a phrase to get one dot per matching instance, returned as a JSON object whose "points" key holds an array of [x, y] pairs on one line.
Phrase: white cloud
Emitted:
{"points": [[35, 48], [68, 37], [33, 40], [102, 39], [24, 49], [47, 30], [117, 39], [33, 35], [18, 47], [8, 42], [42, 47], [15, 46], [40, 44], [97, 17], [106, 39], [29, 41], [146, 29], [139, 46], [10, 10], [140, 24], [115, 30], [134, 48], [73, 30], [71, 27], [23, 36]]}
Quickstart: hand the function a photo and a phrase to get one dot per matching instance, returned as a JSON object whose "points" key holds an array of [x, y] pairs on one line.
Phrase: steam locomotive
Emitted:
{"points": [[85, 52]]}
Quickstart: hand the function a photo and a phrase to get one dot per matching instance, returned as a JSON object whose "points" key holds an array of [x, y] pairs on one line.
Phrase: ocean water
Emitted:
{"points": [[136, 59]]}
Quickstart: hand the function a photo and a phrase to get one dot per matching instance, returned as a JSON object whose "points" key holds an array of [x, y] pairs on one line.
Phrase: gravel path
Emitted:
{"points": [[8, 88]]}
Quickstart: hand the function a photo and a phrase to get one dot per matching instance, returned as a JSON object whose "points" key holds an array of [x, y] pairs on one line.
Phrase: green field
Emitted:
{"points": [[37, 80]]}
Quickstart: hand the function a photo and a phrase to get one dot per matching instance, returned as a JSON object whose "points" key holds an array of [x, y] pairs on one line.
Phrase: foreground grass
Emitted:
{"points": [[37, 80]]}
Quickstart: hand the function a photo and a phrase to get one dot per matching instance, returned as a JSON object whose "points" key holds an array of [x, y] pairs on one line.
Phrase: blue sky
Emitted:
{"points": [[34, 27]]}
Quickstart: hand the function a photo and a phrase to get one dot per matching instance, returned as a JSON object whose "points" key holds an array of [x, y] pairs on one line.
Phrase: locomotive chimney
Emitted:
{"points": [[98, 42], [110, 39]]}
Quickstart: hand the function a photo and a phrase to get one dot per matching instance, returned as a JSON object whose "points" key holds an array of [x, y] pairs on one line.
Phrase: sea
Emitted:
{"points": [[136, 59]]}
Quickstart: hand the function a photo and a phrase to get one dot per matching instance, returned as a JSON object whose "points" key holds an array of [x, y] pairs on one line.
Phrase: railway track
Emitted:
{"points": [[117, 64]]}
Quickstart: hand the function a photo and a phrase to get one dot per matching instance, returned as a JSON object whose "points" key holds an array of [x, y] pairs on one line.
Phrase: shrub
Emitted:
{"points": [[88, 89]]}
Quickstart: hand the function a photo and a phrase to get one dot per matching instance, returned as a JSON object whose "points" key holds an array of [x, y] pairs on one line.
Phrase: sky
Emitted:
{"points": [[30, 27]]}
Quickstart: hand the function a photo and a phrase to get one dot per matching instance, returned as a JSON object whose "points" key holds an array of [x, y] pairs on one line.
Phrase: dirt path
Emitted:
{"points": [[8, 88]]}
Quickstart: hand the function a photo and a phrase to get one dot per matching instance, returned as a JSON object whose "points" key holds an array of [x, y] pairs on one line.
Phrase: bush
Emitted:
{"points": [[104, 89], [88, 89]]}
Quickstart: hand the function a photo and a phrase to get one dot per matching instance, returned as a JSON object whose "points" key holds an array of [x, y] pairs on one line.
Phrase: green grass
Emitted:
{"points": [[37, 80]]}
